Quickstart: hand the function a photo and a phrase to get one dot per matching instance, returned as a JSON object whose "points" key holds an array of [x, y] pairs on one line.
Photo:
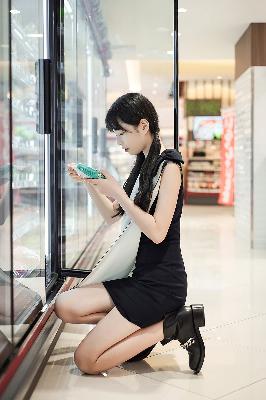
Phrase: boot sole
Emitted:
{"points": [[198, 321]]}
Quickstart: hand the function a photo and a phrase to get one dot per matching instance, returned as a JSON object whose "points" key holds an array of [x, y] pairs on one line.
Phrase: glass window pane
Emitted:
{"points": [[5, 236], [28, 165], [141, 38], [82, 118]]}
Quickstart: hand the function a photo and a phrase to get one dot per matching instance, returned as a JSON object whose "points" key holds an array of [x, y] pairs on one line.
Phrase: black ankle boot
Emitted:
{"points": [[143, 354], [183, 325]]}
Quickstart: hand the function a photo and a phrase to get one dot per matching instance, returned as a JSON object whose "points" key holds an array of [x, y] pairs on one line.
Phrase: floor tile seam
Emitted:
{"points": [[161, 352], [169, 384], [234, 322], [230, 342], [157, 353], [240, 389], [164, 351], [242, 346], [181, 388]]}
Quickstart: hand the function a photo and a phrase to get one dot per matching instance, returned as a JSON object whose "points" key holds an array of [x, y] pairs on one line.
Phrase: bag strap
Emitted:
{"points": [[155, 190], [157, 180]]}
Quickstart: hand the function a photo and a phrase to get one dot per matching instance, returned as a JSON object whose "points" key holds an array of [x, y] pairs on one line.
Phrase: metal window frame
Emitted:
{"points": [[176, 77]]}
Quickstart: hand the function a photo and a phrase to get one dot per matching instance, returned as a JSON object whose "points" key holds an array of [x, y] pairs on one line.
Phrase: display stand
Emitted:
{"points": [[202, 182]]}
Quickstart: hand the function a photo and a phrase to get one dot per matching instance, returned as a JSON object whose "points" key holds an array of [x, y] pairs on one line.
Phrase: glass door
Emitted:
{"points": [[5, 190], [93, 75], [28, 165], [82, 86]]}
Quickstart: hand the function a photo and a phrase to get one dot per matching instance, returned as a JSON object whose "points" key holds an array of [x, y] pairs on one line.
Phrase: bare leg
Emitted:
{"points": [[88, 304], [113, 341], [130, 346], [88, 319]]}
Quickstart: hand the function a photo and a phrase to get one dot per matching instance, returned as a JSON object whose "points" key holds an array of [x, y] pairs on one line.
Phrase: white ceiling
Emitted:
{"points": [[210, 28], [139, 29], [140, 36]]}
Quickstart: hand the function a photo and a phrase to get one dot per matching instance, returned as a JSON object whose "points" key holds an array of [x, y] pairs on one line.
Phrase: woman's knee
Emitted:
{"points": [[85, 364], [63, 307]]}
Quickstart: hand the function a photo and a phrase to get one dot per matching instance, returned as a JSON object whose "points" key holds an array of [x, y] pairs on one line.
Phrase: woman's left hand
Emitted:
{"points": [[109, 186]]}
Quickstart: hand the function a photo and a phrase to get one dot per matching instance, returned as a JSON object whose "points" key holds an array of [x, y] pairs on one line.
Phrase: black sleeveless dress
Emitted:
{"points": [[158, 284]]}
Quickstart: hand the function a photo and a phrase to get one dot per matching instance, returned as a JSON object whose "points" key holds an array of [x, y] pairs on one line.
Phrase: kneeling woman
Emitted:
{"points": [[134, 313]]}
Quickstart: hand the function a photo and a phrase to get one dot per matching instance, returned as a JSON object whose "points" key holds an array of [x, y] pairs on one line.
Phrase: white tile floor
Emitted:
{"points": [[229, 279]]}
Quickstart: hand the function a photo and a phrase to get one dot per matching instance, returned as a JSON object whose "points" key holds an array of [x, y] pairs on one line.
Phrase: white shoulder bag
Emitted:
{"points": [[119, 260]]}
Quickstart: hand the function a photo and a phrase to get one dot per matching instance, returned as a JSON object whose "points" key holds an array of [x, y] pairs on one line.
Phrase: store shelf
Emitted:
{"points": [[201, 191], [203, 159], [203, 174], [202, 170]]}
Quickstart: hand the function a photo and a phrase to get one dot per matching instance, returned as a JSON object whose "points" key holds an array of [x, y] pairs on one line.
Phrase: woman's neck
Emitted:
{"points": [[161, 150]]}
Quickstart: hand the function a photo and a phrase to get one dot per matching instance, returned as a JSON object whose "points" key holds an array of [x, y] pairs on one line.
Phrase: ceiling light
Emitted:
{"points": [[219, 77], [154, 92], [179, 34], [155, 84], [15, 12], [133, 75], [35, 35], [182, 10]]}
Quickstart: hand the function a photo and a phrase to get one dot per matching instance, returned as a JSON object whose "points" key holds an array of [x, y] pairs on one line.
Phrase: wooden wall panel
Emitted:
{"points": [[250, 50]]}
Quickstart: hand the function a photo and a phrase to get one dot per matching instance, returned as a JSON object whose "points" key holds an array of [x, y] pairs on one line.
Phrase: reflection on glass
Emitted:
{"points": [[142, 61], [5, 245], [82, 105], [137, 65], [28, 165]]}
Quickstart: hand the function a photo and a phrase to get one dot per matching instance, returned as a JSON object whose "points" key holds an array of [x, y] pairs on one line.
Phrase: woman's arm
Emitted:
{"points": [[104, 205], [102, 202], [156, 226]]}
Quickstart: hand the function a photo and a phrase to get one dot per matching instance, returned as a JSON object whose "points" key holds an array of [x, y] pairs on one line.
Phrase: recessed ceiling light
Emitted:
{"points": [[154, 92], [219, 77], [155, 84], [35, 35], [15, 12], [182, 10]]}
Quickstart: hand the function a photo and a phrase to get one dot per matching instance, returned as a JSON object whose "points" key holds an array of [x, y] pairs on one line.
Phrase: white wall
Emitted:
{"points": [[259, 159], [250, 157]]}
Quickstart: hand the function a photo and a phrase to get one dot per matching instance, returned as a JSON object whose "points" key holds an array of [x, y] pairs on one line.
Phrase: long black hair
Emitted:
{"points": [[131, 108]]}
